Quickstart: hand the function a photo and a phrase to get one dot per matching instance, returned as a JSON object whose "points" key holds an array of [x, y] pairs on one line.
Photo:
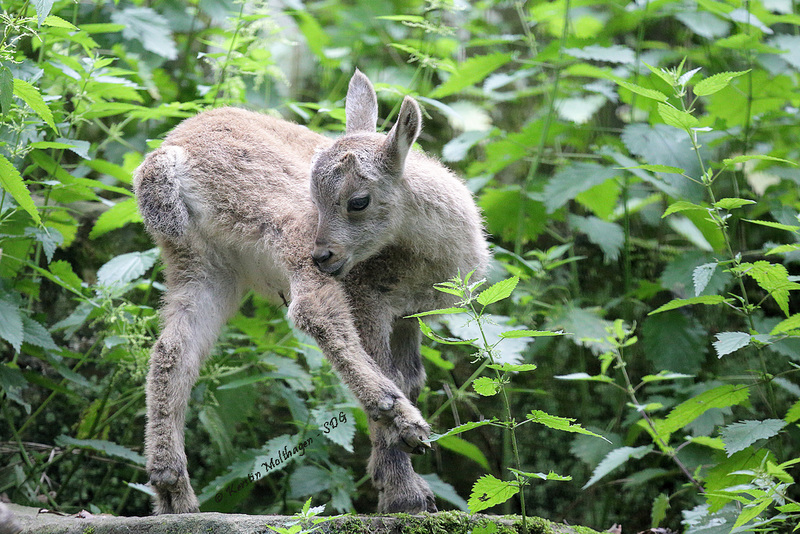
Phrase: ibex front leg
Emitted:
{"points": [[193, 314], [321, 308]]}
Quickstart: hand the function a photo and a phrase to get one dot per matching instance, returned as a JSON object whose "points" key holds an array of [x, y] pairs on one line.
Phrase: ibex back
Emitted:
{"points": [[353, 233]]}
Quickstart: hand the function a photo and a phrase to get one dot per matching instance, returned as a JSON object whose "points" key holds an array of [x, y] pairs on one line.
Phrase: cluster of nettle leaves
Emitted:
{"points": [[634, 163]]}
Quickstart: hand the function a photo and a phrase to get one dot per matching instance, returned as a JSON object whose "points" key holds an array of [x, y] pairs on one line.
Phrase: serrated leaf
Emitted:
{"points": [[787, 325], [677, 118], [728, 342], [339, 426], [498, 291], [460, 428], [772, 278], [57, 22], [11, 181], [572, 180], [65, 276], [511, 334], [43, 8], [659, 510], [542, 476], [686, 412], [489, 491], [739, 436], [715, 83], [778, 226], [783, 249], [30, 95], [793, 414], [614, 459], [732, 203], [150, 28], [702, 275], [36, 334], [6, 89], [430, 334], [512, 367], [126, 268], [119, 215], [681, 205], [470, 72], [560, 423], [441, 311], [104, 446], [680, 303], [11, 325], [749, 157], [644, 91], [488, 387]]}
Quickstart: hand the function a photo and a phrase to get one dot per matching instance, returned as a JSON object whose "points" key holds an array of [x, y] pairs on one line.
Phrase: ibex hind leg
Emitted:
{"points": [[196, 306]]}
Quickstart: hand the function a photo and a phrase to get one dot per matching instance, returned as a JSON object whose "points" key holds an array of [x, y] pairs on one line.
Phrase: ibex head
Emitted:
{"points": [[357, 184]]}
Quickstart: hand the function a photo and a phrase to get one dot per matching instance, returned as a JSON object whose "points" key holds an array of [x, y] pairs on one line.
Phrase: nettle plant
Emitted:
{"points": [[492, 378], [747, 487]]}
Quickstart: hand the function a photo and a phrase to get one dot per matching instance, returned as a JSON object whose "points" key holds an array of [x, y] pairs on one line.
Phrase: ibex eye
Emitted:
{"points": [[358, 203]]}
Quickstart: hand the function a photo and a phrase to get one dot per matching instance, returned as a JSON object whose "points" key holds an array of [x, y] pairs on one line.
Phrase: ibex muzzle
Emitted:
{"points": [[356, 248]]}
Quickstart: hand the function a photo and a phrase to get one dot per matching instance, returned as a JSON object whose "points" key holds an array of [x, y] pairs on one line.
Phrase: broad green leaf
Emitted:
{"points": [[778, 226], [435, 357], [6, 89], [488, 387], [11, 325], [772, 278], [560, 423], [793, 414], [677, 118], [751, 511], [117, 216], [444, 491], [36, 334], [337, 425], [465, 448], [732, 203], [441, 311], [783, 249], [787, 325], [126, 268], [749, 157], [470, 72], [702, 275], [107, 447], [675, 341], [65, 276], [739, 436], [665, 375], [680, 303], [43, 8], [430, 334], [728, 342], [715, 83], [707, 441], [461, 428], [489, 491], [542, 476], [608, 236], [11, 180], [57, 22], [643, 91], [686, 412], [512, 367], [30, 95], [148, 27], [572, 180], [658, 168], [530, 333], [681, 205], [614, 459], [498, 291]]}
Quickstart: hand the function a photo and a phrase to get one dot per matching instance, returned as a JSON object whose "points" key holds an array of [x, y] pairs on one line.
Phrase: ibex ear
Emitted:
{"points": [[361, 105], [403, 134]]}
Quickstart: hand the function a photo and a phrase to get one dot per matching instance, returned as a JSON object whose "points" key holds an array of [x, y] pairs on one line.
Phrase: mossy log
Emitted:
{"points": [[32, 520]]}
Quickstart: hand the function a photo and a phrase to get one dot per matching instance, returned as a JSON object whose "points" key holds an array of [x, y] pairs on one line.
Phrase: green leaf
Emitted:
{"points": [[748, 157], [119, 215], [107, 447], [445, 491], [585, 377], [337, 425], [43, 8], [608, 54], [732, 203], [659, 510], [441, 311], [430, 334], [6, 89], [680, 303], [489, 491], [488, 387], [65, 276], [658, 168], [608, 236], [30, 95], [715, 83], [57, 22], [460, 428], [498, 291], [470, 72], [675, 341], [36, 334], [148, 27], [677, 118], [702, 275], [512, 367], [644, 91], [530, 333], [681, 205], [435, 357], [751, 512], [784, 249], [787, 325], [11, 325], [542, 476], [778, 226], [11, 180], [464, 448], [126, 268], [738, 436], [665, 375], [560, 423], [729, 342], [793, 414], [772, 278], [614, 459], [572, 180], [686, 412]]}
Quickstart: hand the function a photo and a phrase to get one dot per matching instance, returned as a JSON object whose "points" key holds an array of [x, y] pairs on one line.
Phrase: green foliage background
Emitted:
{"points": [[616, 192]]}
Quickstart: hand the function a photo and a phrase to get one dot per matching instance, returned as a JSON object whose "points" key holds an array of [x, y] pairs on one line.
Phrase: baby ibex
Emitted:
{"points": [[352, 233]]}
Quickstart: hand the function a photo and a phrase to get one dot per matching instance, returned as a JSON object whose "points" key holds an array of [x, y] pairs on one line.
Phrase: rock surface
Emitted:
{"points": [[33, 520]]}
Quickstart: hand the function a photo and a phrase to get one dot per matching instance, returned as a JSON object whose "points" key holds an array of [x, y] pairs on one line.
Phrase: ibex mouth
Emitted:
{"points": [[333, 269]]}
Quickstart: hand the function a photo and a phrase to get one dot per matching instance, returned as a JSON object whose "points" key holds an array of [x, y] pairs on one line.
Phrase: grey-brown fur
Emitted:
{"points": [[239, 200]]}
